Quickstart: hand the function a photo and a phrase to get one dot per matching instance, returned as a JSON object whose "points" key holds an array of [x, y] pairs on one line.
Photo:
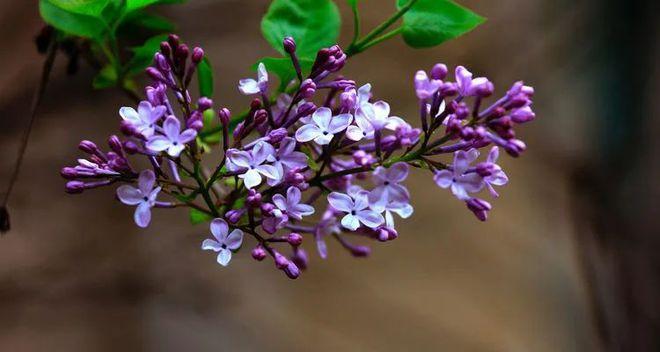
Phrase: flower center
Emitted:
{"points": [[353, 212], [175, 143], [325, 133], [386, 183], [145, 198], [223, 246]]}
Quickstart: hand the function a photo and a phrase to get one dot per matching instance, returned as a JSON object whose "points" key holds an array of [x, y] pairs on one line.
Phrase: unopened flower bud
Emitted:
{"points": [[115, 144], [360, 251], [197, 55], [522, 115], [485, 90], [277, 135], [289, 45], [253, 199], [161, 62], [479, 207], [88, 147], [448, 89], [266, 208], [485, 169], [224, 115], [439, 71], [131, 147], [307, 89], [300, 258], [260, 116], [74, 187], [173, 40], [165, 49], [294, 239], [292, 271], [204, 103], [233, 216], [69, 173], [280, 261], [259, 253], [515, 147]]}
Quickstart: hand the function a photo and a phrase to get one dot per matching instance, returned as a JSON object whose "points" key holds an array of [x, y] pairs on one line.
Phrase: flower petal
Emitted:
{"points": [[158, 143], [370, 218], [322, 117], [354, 133], [341, 202], [397, 172], [239, 158], [308, 132], [172, 128], [261, 151], [248, 86], [443, 178], [224, 256], [129, 114], [350, 222], [269, 171], [219, 229], [251, 178], [293, 196], [146, 181], [129, 195], [142, 214], [361, 200], [234, 240], [187, 136], [323, 139], [303, 210], [211, 245], [339, 123], [279, 201]]}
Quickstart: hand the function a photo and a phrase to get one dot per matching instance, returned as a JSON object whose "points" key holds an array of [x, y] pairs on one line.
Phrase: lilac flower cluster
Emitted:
{"points": [[323, 159]]}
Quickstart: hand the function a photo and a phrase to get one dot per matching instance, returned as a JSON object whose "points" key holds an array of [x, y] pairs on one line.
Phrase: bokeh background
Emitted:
{"points": [[567, 262]]}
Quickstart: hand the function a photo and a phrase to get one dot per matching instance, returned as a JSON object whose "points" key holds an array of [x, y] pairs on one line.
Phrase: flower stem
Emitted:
{"points": [[361, 44]]}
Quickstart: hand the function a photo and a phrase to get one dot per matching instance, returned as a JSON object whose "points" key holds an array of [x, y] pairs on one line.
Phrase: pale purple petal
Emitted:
{"points": [[322, 117], [323, 139], [130, 195], [341, 202], [493, 154], [378, 197], [472, 182], [397, 172], [354, 133], [146, 181], [158, 143], [219, 229], [361, 200], [397, 193], [239, 158], [460, 192], [404, 210], [370, 218], [142, 214], [287, 146], [293, 196], [350, 222], [172, 128], [294, 160], [234, 239], [251, 178], [279, 201], [224, 256], [175, 149], [261, 151], [443, 178], [339, 123], [498, 178], [129, 114], [269, 171], [211, 245], [308, 132], [248, 86], [187, 136], [303, 210]]}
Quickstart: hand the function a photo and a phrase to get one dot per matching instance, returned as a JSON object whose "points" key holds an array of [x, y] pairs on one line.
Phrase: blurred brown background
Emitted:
{"points": [[566, 262]]}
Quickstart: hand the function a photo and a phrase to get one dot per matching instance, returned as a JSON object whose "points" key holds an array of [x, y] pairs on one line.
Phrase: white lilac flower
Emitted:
{"points": [[286, 158], [378, 114], [323, 126], [224, 242], [460, 182], [172, 140], [143, 196], [253, 163], [388, 188], [467, 86], [497, 177], [425, 87], [144, 119], [249, 86], [356, 207]]}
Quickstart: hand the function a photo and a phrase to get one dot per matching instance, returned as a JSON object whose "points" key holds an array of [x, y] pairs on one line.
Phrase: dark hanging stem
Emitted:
{"points": [[36, 100]]}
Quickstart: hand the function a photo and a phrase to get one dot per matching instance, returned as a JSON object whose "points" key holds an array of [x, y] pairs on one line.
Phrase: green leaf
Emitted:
{"points": [[92, 8], [143, 55], [149, 22], [352, 4], [69, 22], [198, 217], [314, 24], [431, 22], [132, 5], [205, 78], [284, 69], [106, 78]]}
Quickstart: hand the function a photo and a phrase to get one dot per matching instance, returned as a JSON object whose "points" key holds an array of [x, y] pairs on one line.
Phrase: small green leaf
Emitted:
{"points": [[432, 22], [106, 78], [284, 69], [149, 22], [205, 78], [143, 55], [69, 22], [92, 8], [314, 24], [132, 5], [198, 217]]}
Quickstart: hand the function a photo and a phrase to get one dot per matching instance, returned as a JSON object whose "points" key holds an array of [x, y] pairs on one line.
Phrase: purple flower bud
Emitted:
{"points": [[485, 169], [225, 116], [519, 101], [522, 115], [479, 207], [387, 234], [131, 147], [182, 52], [88, 147], [294, 239], [173, 40], [294, 178], [74, 187], [289, 45], [360, 251], [439, 71], [280, 261], [448, 89], [363, 158], [485, 90], [195, 124], [275, 136], [461, 111], [253, 199], [233, 216], [238, 131], [166, 49], [204, 103], [347, 100], [300, 258], [115, 144], [260, 116], [307, 89], [69, 173], [292, 271], [515, 147], [156, 75], [197, 55], [259, 253], [267, 208], [161, 62]]}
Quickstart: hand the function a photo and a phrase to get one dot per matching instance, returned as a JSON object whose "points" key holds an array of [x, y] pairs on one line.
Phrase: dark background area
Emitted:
{"points": [[568, 260]]}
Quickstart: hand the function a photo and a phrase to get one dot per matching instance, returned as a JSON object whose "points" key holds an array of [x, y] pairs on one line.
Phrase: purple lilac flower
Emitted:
{"points": [[467, 86], [356, 207], [224, 242], [172, 140], [323, 126], [286, 208], [378, 114], [403, 209], [461, 183], [425, 87], [253, 163], [388, 188], [362, 129], [497, 176], [143, 121], [326, 226], [249, 86], [143, 196], [286, 158]]}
